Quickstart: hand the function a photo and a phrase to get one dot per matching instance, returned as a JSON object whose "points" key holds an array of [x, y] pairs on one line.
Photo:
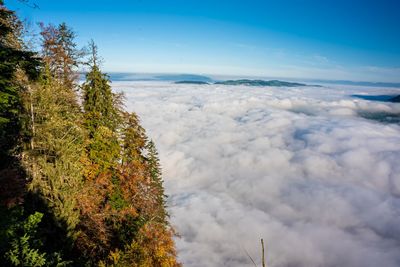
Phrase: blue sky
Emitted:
{"points": [[346, 40]]}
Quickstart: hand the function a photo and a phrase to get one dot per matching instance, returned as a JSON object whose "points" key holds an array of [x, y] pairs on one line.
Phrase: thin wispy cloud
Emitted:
{"points": [[244, 46], [321, 59]]}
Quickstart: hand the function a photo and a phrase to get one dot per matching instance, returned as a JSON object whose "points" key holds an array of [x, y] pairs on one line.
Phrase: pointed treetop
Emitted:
{"points": [[94, 59]]}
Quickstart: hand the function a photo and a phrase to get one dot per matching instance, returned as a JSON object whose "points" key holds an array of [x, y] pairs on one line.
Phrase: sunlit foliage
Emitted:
{"points": [[81, 182]]}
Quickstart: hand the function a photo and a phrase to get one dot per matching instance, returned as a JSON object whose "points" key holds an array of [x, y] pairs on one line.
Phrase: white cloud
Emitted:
{"points": [[295, 166], [321, 59]]}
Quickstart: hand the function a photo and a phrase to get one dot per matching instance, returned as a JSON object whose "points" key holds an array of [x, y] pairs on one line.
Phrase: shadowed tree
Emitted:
{"points": [[16, 64], [79, 180], [22, 241]]}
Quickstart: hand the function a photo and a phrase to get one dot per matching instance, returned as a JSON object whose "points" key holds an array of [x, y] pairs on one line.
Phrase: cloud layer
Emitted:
{"points": [[295, 166]]}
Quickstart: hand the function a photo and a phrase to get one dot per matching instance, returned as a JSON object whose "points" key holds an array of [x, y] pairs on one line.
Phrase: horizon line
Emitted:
{"points": [[218, 77]]}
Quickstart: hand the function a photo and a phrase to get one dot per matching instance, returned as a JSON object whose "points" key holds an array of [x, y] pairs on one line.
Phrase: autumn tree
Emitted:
{"points": [[52, 162], [123, 199], [81, 185], [60, 52], [21, 235], [100, 199]]}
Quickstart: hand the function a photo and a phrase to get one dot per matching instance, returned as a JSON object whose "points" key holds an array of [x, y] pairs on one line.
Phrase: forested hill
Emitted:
{"points": [[260, 83], [395, 99], [191, 82], [80, 181]]}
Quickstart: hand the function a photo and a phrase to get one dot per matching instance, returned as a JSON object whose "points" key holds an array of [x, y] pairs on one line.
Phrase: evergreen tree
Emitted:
{"points": [[101, 202], [154, 169], [122, 202], [76, 185], [54, 162], [60, 52], [133, 139], [98, 98], [25, 245], [14, 62], [22, 241]]}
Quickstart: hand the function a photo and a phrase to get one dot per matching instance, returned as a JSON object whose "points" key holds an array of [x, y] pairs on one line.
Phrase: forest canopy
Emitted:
{"points": [[81, 182]]}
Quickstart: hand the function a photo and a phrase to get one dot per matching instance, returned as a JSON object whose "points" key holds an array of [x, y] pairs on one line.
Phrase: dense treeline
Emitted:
{"points": [[80, 182]]}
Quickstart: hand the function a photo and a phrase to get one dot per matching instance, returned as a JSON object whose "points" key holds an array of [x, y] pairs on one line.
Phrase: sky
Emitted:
{"points": [[335, 40]]}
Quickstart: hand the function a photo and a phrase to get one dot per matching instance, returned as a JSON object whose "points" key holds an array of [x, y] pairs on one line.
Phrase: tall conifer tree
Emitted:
{"points": [[13, 59], [154, 169], [98, 98], [61, 53], [92, 180]]}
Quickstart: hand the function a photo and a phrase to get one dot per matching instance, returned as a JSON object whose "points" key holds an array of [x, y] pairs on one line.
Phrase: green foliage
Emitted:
{"points": [[117, 200], [154, 163], [53, 162], [125, 183], [133, 139], [23, 243], [81, 185], [22, 240], [103, 149], [154, 168], [13, 58], [99, 102], [60, 52]]}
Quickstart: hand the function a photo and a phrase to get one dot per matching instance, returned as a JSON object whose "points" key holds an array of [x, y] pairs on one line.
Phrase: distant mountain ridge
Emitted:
{"points": [[382, 98], [395, 99], [184, 77], [247, 82], [127, 76], [200, 80], [359, 83], [191, 82]]}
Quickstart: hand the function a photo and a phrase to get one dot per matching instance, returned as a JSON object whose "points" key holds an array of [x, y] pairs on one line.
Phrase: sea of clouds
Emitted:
{"points": [[298, 167]]}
